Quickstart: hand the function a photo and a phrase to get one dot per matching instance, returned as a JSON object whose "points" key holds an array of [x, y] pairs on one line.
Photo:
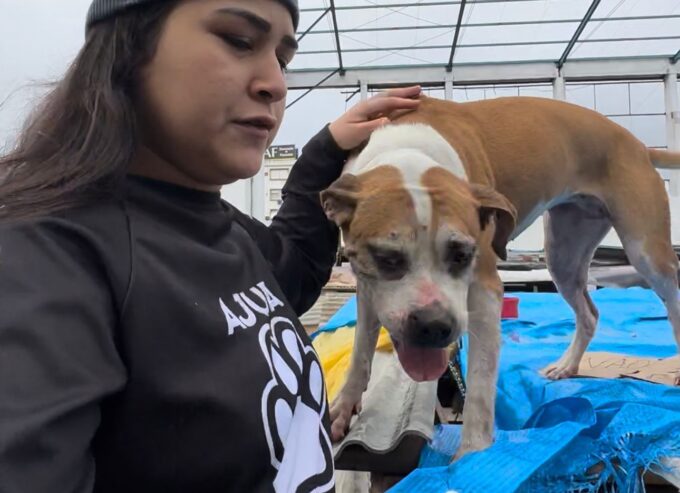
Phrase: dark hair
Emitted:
{"points": [[77, 144]]}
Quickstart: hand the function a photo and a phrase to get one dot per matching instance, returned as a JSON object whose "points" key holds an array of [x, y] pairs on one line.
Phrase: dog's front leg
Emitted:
{"points": [[348, 400], [484, 301]]}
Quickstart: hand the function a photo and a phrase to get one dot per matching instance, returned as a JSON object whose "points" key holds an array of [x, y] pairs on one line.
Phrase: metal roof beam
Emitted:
{"points": [[579, 30], [461, 11], [337, 38], [311, 88], [313, 24], [628, 68], [496, 24], [397, 49], [424, 75], [624, 68], [675, 57], [412, 4]]}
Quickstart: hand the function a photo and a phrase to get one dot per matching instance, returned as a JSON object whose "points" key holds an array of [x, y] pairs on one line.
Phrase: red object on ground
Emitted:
{"points": [[510, 307]]}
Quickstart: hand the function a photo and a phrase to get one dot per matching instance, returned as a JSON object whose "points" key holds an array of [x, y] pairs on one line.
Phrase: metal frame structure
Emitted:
{"points": [[341, 68], [448, 73], [579, 30], [461, 11], [313, 25], [499, 24], [488, 73], [653, 66]]}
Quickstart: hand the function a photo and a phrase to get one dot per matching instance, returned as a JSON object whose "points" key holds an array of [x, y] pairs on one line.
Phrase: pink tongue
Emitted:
{"points": [[423, 364]]}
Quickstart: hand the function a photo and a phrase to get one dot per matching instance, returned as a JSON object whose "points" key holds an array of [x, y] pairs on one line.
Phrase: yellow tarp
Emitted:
{"points": [[335, 352]]}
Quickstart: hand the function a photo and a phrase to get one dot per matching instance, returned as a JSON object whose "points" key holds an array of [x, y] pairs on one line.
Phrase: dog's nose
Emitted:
{"points": [[430, 328]]}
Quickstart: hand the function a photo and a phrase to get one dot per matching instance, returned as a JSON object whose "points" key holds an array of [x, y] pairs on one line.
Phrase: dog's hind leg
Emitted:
{"points": [[642, 220], [657, 262], [572, 233]]}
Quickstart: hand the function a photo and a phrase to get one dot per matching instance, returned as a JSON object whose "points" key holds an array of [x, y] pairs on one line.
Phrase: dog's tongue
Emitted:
{"points": [[423, 364]]}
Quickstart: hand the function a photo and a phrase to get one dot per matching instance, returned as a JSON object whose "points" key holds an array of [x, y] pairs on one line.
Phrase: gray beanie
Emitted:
{"points": [[103, 9]]}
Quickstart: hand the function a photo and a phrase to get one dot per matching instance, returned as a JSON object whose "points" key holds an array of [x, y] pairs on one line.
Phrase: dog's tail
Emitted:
{"points": [[664, 159]]}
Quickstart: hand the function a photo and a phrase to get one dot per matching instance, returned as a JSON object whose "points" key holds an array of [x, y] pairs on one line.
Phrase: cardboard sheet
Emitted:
{"points": [[612, 365]]}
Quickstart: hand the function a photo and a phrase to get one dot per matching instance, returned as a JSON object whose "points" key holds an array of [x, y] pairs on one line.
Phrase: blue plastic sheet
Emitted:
{"points": [[569, 435]]}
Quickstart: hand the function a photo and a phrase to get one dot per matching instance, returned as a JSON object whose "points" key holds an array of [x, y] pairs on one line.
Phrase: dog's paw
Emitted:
{"points": [[342, 409], [473, 445], [562, 369]]}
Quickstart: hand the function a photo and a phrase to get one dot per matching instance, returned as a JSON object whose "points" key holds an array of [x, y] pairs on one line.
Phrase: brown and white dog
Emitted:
{"points": [[431, 201]]}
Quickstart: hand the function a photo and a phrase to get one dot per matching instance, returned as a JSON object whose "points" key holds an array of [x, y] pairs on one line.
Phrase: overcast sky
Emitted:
{"points": [[38, 38]]}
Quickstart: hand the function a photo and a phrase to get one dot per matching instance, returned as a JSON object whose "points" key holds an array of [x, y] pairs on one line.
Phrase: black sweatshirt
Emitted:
{"points": [[152, 344]]}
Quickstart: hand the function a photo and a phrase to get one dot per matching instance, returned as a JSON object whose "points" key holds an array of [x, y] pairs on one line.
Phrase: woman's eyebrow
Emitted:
{"points": [[255, 20], [258, 23]]}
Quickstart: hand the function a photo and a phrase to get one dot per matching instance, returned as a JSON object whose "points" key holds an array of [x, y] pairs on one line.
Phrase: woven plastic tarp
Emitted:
{"points": [[570, 435]]}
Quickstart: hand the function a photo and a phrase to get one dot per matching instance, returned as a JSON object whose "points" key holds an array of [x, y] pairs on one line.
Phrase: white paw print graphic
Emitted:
{"points": [[293, 407]]}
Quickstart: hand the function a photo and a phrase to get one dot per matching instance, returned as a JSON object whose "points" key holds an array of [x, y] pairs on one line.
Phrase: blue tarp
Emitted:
{"points": [[549, 434]]}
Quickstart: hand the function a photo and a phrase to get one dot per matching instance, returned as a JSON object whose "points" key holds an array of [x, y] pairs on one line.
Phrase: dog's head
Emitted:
{"points": [[414, 248]]}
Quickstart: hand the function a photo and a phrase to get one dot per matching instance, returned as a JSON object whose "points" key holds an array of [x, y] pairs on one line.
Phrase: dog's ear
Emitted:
{"points": [[496, 205], [340, 199]]}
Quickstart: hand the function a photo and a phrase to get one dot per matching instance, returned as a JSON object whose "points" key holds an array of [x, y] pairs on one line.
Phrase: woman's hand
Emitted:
{"points": [[357, 124]]}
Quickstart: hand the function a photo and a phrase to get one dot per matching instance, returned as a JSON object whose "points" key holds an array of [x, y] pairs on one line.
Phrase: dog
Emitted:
{"points": [[431, 201]]}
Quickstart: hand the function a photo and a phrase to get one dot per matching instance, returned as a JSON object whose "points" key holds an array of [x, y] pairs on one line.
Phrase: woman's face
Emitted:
{"points": [[212, 97]]}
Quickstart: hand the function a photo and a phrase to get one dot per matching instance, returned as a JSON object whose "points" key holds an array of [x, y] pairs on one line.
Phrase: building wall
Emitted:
{"points": [[238, 194], [260, 197]]}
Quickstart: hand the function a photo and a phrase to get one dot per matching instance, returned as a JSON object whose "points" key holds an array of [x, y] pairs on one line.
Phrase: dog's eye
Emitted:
{"points": [[459, 255], [392, 264]]}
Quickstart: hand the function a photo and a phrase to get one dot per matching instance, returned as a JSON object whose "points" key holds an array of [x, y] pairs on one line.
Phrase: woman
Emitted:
{"points": [[149, 337]]}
